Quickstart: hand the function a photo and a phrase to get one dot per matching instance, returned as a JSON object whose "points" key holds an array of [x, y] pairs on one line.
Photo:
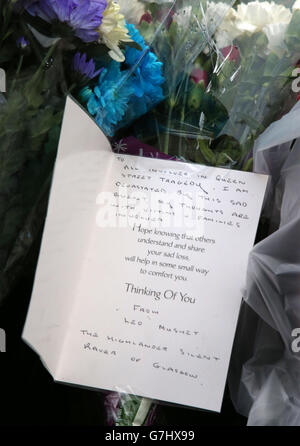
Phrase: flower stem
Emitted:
{"points": [[17, 73], [69, 90], [32, 41], [48, 55], [182, 117], [167, 138]]}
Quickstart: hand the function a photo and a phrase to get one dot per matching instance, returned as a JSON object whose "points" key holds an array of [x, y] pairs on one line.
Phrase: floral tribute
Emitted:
{"points": [[194, 80]]}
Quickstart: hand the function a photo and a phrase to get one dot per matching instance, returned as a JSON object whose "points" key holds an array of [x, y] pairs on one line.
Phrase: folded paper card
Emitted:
{"points": [[141, 270]]}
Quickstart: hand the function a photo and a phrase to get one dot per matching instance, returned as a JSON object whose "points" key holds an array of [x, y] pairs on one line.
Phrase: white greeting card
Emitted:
{"points": [[141, 270]]}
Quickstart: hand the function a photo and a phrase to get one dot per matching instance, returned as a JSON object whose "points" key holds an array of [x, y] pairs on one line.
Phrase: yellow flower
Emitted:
{"points": [[113, 30]]}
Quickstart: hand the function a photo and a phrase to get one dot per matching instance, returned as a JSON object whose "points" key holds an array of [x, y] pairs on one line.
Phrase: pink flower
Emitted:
{"points": [[232, 52], [198, 75], [147, 17]]}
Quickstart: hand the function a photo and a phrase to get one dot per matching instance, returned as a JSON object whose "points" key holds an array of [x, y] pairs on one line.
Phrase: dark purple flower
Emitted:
{"points": [[84, 69], [82, 16]]}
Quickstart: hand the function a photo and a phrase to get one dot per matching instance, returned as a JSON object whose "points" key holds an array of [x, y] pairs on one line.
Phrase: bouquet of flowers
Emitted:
{"points": [[191, 79], [99, 51], [234, 80]]}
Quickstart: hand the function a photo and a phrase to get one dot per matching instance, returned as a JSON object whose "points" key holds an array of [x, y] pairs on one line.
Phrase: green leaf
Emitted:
{"points": [[206, 152], [132, 44], [271, 64], [248, 167], [292, 34]]}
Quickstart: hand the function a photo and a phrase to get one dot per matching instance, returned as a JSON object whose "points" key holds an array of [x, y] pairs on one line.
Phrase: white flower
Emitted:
{"points": [[296, 5], [132, 10], [267, 17], [182, 16], [216, 14], [255, 16], [113, 30], [275, 34], [220, 18], [223, 39]]}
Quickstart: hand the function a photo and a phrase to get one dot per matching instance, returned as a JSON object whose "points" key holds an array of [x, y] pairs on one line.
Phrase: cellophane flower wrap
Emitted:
{"points": [[229, 71], [194, 80]]}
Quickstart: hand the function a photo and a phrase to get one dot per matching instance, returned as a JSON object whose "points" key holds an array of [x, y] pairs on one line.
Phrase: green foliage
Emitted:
{"points": [[292, 40], [30, 119]]}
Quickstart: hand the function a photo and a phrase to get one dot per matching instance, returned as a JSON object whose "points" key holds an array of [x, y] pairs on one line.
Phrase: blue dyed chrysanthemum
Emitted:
{"points": [[109, 100], [82, 16], [123, 96], [147, 70]]}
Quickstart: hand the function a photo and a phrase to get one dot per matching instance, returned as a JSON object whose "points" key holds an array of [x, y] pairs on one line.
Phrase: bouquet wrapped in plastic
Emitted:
{"points": [[101, 53], [264, 374], [191, 79], [229, 73]]}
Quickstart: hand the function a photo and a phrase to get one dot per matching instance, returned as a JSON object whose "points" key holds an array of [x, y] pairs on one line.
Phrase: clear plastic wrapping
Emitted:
{"points": [[229, 70], [265, 368]]}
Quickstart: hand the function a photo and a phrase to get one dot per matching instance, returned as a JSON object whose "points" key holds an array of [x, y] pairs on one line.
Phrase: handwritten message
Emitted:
{"points": [[164, 277], [142, 270]]}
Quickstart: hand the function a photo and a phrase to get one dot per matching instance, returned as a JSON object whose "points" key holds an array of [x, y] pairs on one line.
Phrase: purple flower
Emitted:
{"points": [[84, 69], [82, 16], [22, 43]]}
